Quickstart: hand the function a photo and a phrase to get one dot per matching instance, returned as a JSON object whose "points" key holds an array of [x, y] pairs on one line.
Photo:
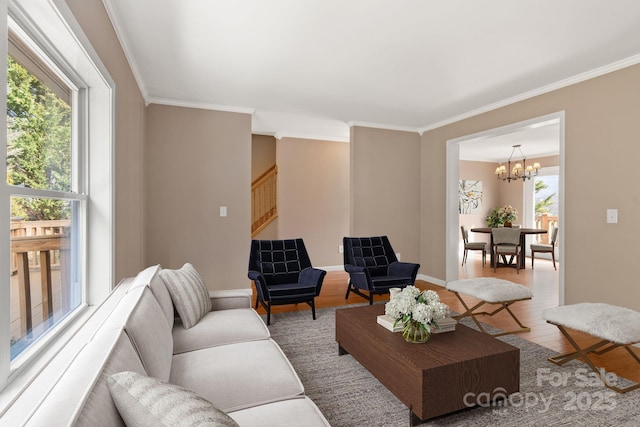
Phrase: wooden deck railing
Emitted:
{"points": [[39, 244], [547, 222], [264, 207]]}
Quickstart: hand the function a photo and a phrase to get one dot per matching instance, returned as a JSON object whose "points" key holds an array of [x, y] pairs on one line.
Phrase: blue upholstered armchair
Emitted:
{"points": [[282, 272], [374, 268]]}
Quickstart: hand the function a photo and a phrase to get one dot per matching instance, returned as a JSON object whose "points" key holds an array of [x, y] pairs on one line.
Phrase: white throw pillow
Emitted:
{"points": [[189, 294], [147, 401]]}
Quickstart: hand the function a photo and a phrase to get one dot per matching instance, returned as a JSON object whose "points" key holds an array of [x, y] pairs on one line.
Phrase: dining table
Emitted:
{"points": [[523, 234]]}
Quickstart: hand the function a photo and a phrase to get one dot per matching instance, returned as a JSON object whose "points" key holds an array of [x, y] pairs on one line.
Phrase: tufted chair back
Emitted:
{"points": [[373, 252], [279, 261]]}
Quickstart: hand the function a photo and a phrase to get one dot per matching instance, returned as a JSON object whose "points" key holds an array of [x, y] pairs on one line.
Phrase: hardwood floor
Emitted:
{"points": [[543, 282]]}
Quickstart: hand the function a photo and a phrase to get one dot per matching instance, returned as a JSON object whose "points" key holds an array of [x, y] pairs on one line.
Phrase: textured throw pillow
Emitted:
{"points": [[146, 401], [189, 294]]}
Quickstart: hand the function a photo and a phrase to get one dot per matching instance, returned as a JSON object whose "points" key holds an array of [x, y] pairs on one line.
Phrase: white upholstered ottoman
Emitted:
{"points": [[490, 290], [614, 326]]}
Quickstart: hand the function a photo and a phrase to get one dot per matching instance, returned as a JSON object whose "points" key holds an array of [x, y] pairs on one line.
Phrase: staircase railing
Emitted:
{"points": [[264, 207]]}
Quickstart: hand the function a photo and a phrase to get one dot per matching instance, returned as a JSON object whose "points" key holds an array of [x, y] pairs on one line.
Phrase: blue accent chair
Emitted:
{"points": [[374, 268], [282, 273]]}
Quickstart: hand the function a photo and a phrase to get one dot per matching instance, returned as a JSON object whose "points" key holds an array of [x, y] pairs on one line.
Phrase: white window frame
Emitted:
{"points": [[53, 27], [530, 203]]}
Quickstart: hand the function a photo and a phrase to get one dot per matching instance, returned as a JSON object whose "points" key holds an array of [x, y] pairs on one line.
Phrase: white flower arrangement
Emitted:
{"points": [[416, 310]]}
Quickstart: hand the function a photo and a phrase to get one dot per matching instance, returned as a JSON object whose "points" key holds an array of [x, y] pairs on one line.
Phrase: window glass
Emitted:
{"points": [[44, 286], [45, 213], [39, 153]]}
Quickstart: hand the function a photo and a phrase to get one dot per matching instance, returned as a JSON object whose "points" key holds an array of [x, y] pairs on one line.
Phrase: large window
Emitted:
{"points": [[47, 206], [56, 250]]}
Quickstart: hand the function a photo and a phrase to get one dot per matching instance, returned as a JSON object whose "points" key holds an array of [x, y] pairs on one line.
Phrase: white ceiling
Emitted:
{"points": [[311, 68], [536, 140]]}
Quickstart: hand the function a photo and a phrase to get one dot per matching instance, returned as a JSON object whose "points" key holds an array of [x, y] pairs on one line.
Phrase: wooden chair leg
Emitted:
{"points": [[553, 257], [533, 255], [268, 313]]}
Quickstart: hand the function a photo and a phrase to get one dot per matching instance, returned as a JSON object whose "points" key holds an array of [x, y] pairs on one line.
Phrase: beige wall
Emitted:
{"points": [[196, 161], [129, 137], [313, 196], [481, 171], [601, 133], [263, 154], [270, 232], [385, 188]]}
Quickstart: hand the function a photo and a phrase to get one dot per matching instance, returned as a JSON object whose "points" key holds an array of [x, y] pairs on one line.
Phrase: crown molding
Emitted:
{"points": [[200, 105], [578, 78], [264, 133], [280, 135], [383, 126], [120, 35]]}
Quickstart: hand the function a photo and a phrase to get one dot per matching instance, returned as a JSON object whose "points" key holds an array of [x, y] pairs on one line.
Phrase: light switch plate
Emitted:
{"points": [[223, 211], [612, 216]]}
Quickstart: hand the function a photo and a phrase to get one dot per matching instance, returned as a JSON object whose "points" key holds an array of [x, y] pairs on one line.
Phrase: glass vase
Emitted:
{"points": [[415, 332]]}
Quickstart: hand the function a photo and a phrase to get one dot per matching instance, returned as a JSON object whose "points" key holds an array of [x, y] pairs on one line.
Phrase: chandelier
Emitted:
{"points": [[520, 169]]}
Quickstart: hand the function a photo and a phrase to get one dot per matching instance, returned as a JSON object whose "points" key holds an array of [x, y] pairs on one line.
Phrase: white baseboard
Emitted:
{"points": [[424, 277], [332, 268], [433, 280]]}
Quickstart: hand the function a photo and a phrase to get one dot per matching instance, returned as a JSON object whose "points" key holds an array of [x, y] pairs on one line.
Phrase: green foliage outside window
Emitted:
{"points": [[39, 144], [543, 206]]}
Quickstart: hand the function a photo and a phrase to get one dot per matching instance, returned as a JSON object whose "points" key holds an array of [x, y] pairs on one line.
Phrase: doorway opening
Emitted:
{"points": [[454, 148]]}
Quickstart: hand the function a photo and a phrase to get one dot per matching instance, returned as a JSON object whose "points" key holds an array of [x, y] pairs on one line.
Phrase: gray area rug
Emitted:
{"points": [[349, 395]]}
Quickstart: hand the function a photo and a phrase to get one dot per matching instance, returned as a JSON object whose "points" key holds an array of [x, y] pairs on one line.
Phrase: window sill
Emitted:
{"points": [[29, 384]]}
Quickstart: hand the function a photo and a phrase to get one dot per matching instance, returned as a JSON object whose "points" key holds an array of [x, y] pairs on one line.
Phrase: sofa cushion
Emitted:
{"points": [[189, 294], [146, 401], [162, 295], [149, 332], [219, 328], [286, 413], [236, 376]]}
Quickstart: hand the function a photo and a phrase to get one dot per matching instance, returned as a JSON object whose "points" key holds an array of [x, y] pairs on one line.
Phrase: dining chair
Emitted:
{"points": [[472, 246], [506, 241], [546, 248]]}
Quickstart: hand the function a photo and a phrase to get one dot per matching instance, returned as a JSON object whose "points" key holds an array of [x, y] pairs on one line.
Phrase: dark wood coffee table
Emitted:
{"points": [[432, 379]]}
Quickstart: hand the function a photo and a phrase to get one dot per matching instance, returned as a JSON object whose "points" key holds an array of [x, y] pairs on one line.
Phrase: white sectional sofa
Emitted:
{"points": [[227, 358]]}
